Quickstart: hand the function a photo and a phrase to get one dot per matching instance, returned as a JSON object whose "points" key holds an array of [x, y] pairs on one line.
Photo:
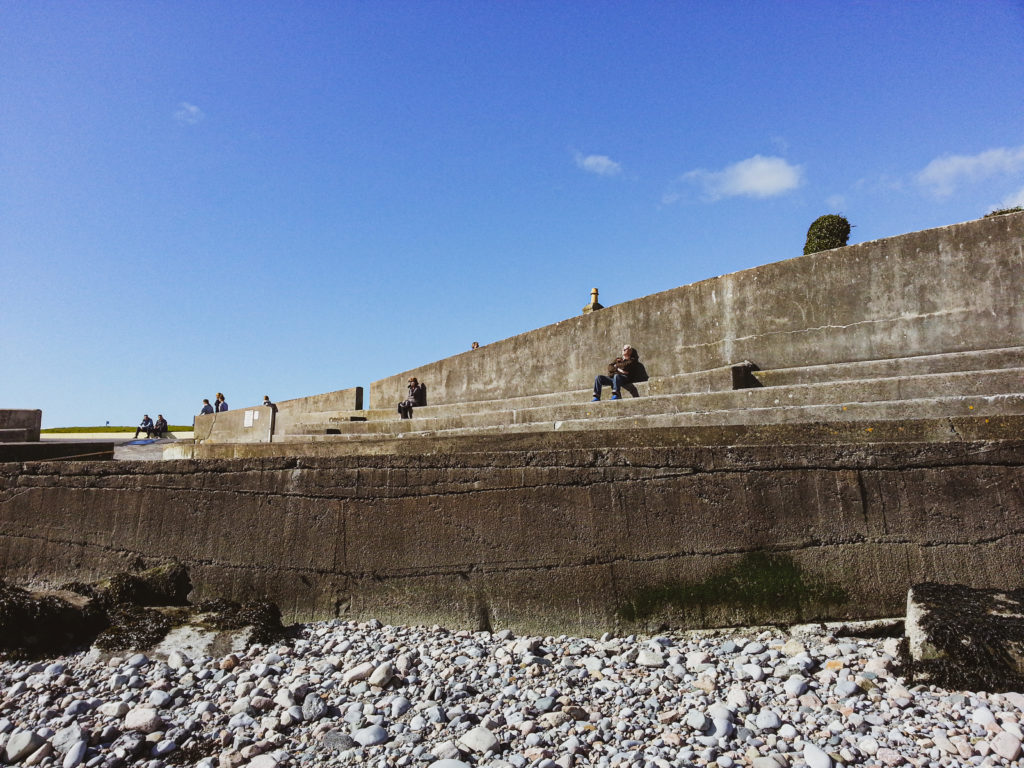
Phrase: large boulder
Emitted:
{"points": [[964, 638]]}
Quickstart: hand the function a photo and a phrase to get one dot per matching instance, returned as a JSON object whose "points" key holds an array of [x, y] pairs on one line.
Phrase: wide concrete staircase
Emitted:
{"points": [[900, 398]]}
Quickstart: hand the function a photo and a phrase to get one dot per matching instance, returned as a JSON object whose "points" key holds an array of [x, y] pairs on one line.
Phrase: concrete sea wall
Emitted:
{"points": [[545, 540], [941, 290]]}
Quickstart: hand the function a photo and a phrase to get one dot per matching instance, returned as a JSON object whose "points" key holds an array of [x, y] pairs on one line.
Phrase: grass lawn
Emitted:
{"points": [[66, 430]]}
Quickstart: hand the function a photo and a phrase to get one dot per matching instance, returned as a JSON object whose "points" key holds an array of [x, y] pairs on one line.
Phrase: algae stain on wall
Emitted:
{"points": [[760, 584]]}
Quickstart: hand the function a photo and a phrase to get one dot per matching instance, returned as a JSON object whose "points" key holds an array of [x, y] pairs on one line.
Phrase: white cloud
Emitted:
{"points": [[602, 165], [943, 174], [757, 176], [1012, 201], [835, 202], [188, 114]]}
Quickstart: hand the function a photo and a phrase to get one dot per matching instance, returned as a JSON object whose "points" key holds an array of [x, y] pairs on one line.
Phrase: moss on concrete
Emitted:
{"points": [[761, 583]]}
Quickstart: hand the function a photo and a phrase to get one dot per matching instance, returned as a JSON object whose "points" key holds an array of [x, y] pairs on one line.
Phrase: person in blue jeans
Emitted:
{"points": [[621, 372]]}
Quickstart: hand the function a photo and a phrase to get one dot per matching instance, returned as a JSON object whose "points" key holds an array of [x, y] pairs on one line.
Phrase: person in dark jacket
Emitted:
{"points": [[160, 426], [146, 426], [417, 398], [207, 408], [621, 373]]}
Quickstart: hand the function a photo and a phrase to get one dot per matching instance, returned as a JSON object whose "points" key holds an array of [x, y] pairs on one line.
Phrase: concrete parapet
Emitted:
{"points": [[950, 289], [20, 425], [291, 412], [245, 425]]}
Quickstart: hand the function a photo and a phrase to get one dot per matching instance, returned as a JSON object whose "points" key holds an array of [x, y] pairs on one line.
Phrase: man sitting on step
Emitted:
{"points": [[622, 372], [146, 426]]}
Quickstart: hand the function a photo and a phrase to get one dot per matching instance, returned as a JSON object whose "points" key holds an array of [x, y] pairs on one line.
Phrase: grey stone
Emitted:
{"points": [[768, 720], [338, 740], [697, 720], [313, 707], [647, 657], [143, 719], [67, 737], [371, 736], [847, 688], [20, 745], [479, 740], [75, 754], [164, 747], [816, 757], [796, 686], [382, 675], [399, 706]]}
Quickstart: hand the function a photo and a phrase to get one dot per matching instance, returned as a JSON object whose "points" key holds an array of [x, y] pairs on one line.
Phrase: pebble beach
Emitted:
{"points": [[347, 694]]}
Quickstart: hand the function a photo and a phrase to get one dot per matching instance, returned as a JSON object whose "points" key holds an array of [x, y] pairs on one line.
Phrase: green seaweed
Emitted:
{"points": [[760, 581]]}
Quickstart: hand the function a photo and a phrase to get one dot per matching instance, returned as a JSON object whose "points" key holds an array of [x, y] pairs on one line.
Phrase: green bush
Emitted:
{"points": [[827, 232], [1001, 211]]}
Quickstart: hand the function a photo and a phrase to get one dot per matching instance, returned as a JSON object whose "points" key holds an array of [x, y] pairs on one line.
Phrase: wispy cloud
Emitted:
{"points": [[189, 114], [602, 165], [1012, 201], [942, 175], [757, 176]]}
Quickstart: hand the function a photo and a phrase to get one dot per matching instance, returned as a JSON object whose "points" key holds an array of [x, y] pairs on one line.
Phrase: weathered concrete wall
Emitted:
{"points": [[541, 540], [292, 412], [263, 422], [20, 425], [244, 425], [941, 290]]}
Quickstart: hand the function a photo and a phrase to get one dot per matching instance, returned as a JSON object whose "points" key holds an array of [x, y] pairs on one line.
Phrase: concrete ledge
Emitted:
{"points": [[619, 435], [52, 450], [25, 424], [121, 436]]}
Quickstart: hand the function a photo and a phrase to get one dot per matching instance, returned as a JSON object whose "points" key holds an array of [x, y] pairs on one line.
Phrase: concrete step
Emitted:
{"points": [[712, 380], [888, 417], [698, 381], [983, 383], [985, 406], [942, 418], [950, 362]]}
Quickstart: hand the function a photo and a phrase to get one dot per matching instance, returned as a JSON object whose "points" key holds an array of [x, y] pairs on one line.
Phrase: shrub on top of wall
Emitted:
{"points": [[827, 232], [1001, 211]]}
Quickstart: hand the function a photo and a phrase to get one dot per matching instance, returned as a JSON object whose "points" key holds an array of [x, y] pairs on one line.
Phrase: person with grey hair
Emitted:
{"points": [[621, 373]]}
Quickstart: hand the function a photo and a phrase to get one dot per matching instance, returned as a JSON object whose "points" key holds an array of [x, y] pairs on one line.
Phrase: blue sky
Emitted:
{"points": [[289, 198]]}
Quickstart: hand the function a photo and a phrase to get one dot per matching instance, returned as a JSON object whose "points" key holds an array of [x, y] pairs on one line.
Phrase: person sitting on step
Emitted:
{"points": [[621, 373], [146, 426], [160, 426], [417, 398]]}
